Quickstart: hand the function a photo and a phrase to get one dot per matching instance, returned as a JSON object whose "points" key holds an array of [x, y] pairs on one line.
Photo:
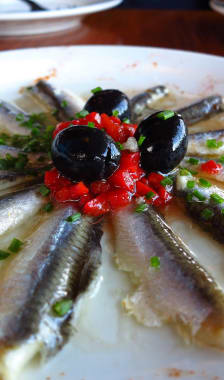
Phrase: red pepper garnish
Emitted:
{"points": [[211, 167]]}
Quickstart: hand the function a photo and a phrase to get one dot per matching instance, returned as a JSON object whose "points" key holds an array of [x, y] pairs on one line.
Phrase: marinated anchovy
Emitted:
{"points": [[205, 202], [61, 105], [142, 102], [57, 265], [11, 181], [202, 109], [194, 165], [10, 117], [171, 285], [209, 143]]}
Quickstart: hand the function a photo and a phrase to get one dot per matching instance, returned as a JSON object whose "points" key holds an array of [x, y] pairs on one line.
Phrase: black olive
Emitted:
{"points": [[108, 101], [86, 154], [162, 139]]}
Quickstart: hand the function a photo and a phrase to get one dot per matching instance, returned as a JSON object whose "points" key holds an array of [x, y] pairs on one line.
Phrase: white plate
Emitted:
{"points": [[17, 19], [218, 6], [109, 345]]}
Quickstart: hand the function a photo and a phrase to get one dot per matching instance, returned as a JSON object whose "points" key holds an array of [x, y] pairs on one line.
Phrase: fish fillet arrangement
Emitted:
{"points": [[50, 250]]}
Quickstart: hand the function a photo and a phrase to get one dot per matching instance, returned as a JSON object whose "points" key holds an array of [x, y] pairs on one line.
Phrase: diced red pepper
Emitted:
{"points": [[78, 190], [136, 172], [118, 198], [129, 159], [122, 178], [164, 196], [60, 127], [51, 177], [211, 167], [84, 199], [143, 189], [63, 194], [99, 187], [97, 206], [155, 179]]}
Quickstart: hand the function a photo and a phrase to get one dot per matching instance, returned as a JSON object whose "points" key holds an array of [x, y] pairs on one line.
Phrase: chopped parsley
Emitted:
{"points": [[193, 161], [190, 184], [164, 115], [81, 114], [91, 124], [16, 163], [155, 262], [126, 121], [150, 195], [73, 218], [44, 190], [115, 113], [96, 89], [48, 207], [204, 183], [15, 245], [4, 254], [119, 145], [64, 104], [141, 208], [216, 198], [213, 144], [207, 214], [197, 194], [166, 181], [141, 140], [184, 172], [62, 307], [221, 159]]}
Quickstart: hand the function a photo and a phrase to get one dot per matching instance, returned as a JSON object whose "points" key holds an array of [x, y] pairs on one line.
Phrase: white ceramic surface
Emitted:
{"points": [[217, 6], [109, 345], [16, 18]]}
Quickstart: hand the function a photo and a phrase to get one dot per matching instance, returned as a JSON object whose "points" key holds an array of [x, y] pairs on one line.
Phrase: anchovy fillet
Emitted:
{"points": [[197, 143], [180, 292], [59, 262], [196, 167], [8, 119]]}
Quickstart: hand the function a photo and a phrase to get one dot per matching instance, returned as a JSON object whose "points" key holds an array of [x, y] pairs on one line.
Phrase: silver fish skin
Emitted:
{"points": [[196, 167], [180, 292], [201, 109], [143, 101], [8, 122], [203, 207], [12, 181], [35, 159], [59, 261], [197, 143], [61, 105]]}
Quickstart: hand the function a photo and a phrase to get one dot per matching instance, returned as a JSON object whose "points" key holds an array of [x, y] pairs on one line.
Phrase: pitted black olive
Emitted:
{"points": [[108, 101], [86, 154], [162, 139]]}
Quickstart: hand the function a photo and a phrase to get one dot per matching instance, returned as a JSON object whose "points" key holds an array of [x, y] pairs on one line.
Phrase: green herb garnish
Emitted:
{"points": [[150, 195], [4, 255], [119, 145], [190, 197], [204, 183], [73, 218], [216, 198], [207, 214], [155, 262], [48, 207], [81, 114], [44, 190], [115, 113], [164, 115], [62, 307], [64, 104], [221, 159], [91, 124], [141, 139], [199, 195], [20, 117], [15, 245], [126, 121], [96, 89], [184, 172], [166, 181], [141, 208], [193, 161], [213, 144], [190, 184]]}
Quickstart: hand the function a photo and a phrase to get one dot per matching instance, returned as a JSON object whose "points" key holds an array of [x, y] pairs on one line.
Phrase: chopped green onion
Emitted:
{"points": [[126, 121], [221, 159], [115, 113], [150, 195], [199, 195], [216, 198], [164, 115], [15, 245], [155, 262], [91, 124], [184, 172], [4, 255], [62, 307], [141, 208], [193, 161], [204, 183], [193, 172], [20, 117], [190, 184], [207, 214], [213, 144], [96, 89], [73, 218], [44, 190], [166, 181], [64, 104], [141, 139], [48, 207], [81, 114], [119, 145]]}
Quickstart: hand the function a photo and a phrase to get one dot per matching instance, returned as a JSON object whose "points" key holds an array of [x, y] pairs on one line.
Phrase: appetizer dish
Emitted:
{"points": [[69, 169]]}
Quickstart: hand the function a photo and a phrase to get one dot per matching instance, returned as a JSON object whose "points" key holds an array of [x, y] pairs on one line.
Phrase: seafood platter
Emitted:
{"points": [[111, 217]]}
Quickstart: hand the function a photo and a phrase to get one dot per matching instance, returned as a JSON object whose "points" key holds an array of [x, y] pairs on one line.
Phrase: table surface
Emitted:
{"points": [[200, 31]]}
